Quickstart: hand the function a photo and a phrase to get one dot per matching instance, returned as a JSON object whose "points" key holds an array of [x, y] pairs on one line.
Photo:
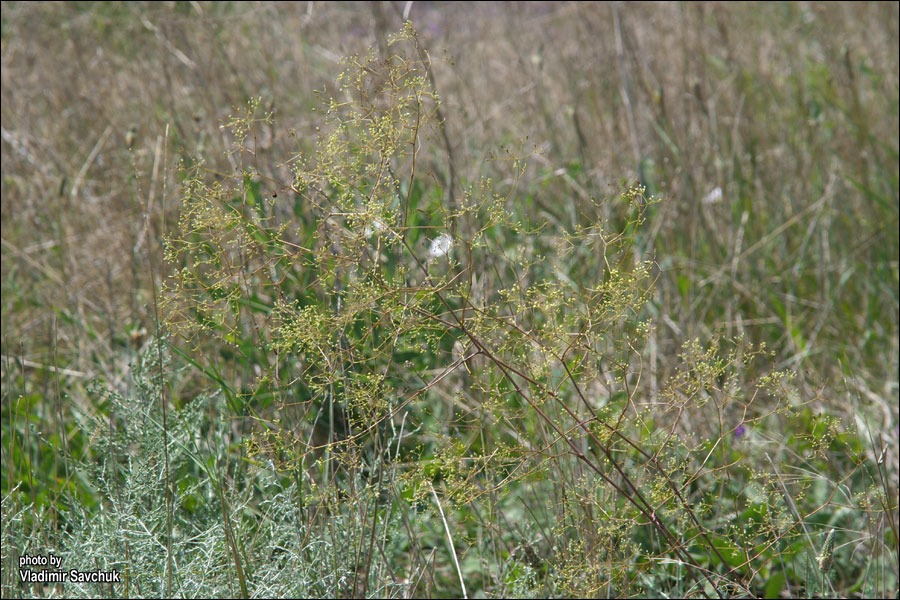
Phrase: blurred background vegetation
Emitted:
{"points": [[767, 133]]}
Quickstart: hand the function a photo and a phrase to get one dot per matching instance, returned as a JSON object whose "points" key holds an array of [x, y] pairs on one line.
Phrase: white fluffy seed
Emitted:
{"points": [[440, 245]]}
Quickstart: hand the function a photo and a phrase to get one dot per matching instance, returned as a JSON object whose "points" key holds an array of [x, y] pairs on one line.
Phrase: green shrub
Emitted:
{"points": [[411, 389]]}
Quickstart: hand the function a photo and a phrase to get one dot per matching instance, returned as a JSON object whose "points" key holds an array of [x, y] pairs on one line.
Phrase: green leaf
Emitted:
{"points": [[774, 585]]}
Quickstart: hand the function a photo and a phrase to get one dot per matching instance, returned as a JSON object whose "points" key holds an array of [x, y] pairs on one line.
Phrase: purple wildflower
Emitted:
{"points": [[740, 431]]}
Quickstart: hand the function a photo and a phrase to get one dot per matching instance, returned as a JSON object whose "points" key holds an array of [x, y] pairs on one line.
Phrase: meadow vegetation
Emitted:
{"points": [[422, 300]]}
